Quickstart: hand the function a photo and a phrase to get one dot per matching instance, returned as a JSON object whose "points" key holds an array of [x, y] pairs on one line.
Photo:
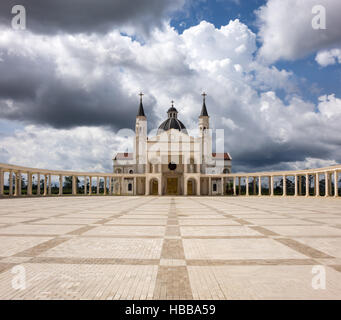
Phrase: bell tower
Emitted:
{"points": [[140, 138], [204, 132]]}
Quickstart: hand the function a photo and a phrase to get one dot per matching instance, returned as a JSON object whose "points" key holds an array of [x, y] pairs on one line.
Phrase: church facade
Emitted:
{"points": [[172, 162]]}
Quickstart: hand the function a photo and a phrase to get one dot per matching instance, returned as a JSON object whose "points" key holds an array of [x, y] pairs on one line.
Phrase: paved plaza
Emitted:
{"points": [[170, 247]]}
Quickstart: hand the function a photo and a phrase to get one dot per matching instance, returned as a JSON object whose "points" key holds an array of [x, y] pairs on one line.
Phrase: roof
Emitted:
{"points": [[140, 112], [204, 112], [225, 156], [124, 156], [172, 123]]}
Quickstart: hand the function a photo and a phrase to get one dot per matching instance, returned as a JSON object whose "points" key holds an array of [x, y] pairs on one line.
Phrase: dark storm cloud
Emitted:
{"points": [[87, 16]]}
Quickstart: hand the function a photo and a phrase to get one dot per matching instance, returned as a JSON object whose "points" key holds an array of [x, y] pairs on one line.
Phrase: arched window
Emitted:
{"points": [[118, 170], [130, 187], [131, 171], [226, 171], [214, 187]]}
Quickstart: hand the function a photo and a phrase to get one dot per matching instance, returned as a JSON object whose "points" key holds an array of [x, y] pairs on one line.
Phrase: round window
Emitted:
{"points": [[172, 166]]}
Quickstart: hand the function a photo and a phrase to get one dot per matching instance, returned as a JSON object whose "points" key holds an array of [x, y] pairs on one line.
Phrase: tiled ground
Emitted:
{"points": [[170, 247]]}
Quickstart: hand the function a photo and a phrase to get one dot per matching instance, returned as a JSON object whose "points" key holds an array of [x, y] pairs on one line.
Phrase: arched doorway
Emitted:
{"points": [[191, 187], [154, 187]]}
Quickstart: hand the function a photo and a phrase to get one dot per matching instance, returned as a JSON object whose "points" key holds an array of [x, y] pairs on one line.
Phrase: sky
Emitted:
{"points": [[69, 82]]}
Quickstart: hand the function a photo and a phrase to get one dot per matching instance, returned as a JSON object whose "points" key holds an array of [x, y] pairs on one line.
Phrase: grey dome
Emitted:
{"points": [[172, 123]]}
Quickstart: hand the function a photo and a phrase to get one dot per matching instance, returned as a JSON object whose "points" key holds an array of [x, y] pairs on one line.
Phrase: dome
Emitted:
{"points": [[172, 122]]}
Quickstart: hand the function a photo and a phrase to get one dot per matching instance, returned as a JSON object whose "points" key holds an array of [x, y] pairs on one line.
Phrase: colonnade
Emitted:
{"points": [[314, 182]]}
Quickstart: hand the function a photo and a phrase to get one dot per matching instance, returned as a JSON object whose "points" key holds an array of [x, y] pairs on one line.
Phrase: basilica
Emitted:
{"points": [[172, 162]]}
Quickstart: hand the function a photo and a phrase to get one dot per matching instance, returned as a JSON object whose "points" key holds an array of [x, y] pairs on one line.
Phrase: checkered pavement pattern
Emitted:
{"points": [[170, 247]]}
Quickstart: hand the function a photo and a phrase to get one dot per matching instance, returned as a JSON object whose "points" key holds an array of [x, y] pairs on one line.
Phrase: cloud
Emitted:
{"points": [[286, 30], [75, 86], [328, 57], [88, 16]]}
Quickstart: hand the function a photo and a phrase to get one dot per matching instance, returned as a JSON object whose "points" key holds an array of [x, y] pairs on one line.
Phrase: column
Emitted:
{"points": [[222, 186], [85, 185], [60, 185], [19, 183], [336, 184], [330, 178], [2, 176], [97, 186], [198, 168], [45, 184], [16, 191], [284, 186], [10, 182], [105, 185], [135, 187], [122, 186], [147, 186], [90, 185], [272, 185], [269, 178], [326, 184], [38, 184], [296, 185], [209, 186], [239, 185], [317, 184], [110, 186], [50, 185], [247, 186], [159, 185], [74, 185], [29, 183], [307, 185], [234, 186], [199, 187], [259, 186]]}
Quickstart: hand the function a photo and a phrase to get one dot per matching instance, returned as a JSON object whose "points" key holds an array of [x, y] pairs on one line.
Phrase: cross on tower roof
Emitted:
{"points": [[141, 95]]}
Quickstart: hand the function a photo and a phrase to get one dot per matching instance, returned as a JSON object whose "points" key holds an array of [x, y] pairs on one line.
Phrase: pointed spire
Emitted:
{"points": [[204, 112], [140, 112]]}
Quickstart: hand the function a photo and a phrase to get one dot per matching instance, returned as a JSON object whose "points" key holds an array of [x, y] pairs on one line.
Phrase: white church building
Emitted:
{"points": [[172, 162]]}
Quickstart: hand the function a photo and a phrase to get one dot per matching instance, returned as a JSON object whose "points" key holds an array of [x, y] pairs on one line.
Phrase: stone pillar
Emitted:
{"points": [[105, 185], [222, 186], [135, 186], [296, 185], [38, 184], [50, 185], [90, 185], [185, 187], [29, 183], [259, 186], [97, 186], [121, 186], [45, 184], [209, 186], [74, 185], [307, 185], [110, 186], [160, 186], [239, 185], [85, 185], [147, 187], [10, 182], [234, 186], [272, 186], [247, 186], [2, 177], [317, 184], [198, 168], [326, 184], [60, 185], [284, 186], [330, 178], [199, 187], [336, 184]]}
